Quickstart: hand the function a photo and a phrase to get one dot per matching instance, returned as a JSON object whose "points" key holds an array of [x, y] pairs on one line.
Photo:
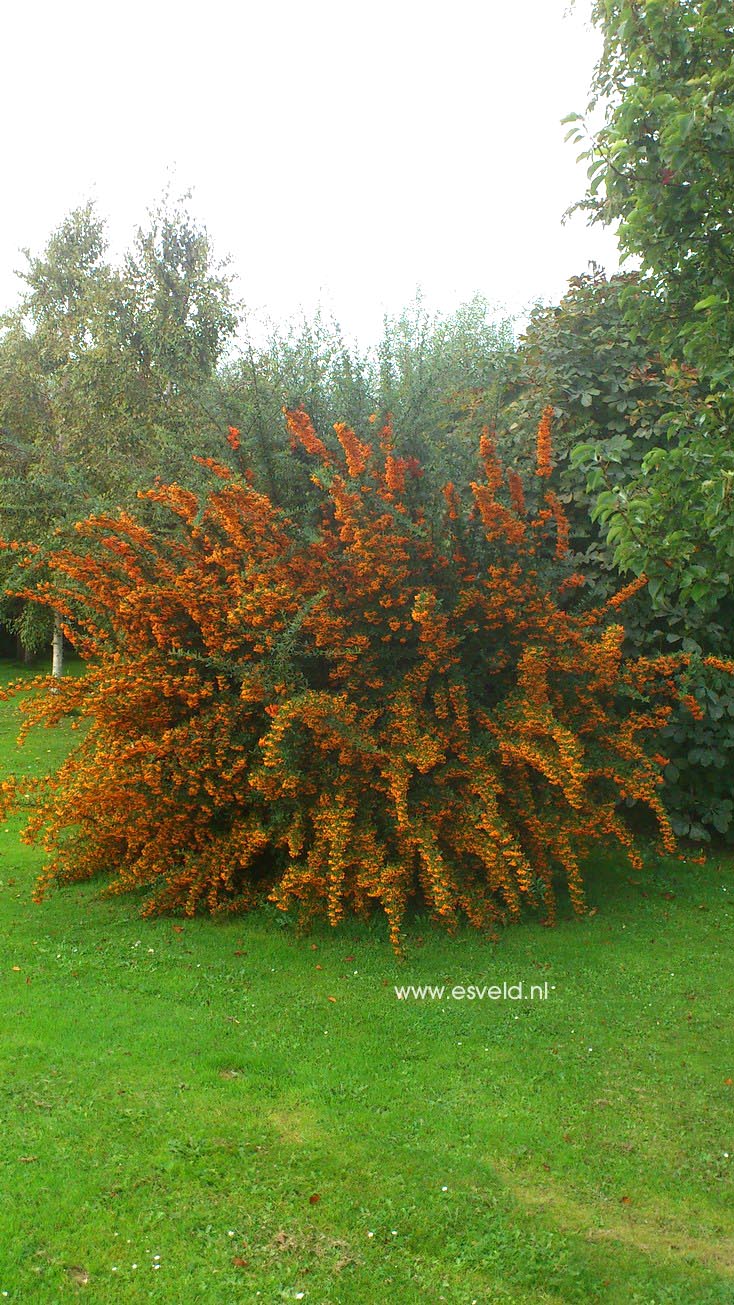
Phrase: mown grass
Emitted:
{"points": [[227, 1112]]}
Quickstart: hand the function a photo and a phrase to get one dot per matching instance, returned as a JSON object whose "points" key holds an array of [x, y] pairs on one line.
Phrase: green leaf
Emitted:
{"points": [[709, 302]]}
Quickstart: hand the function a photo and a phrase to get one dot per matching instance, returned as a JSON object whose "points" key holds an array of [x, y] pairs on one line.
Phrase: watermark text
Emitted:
{"points": [[476, 992]]}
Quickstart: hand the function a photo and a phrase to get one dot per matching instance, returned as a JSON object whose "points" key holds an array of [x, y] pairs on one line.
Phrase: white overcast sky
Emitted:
{"points": [[339, 152]]}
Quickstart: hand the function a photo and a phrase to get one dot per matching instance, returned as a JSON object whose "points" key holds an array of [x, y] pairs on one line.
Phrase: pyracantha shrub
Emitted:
{"points": [[389, 700]]}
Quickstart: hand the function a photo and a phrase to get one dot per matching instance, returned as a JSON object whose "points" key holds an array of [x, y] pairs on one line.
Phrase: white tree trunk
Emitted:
{"points": [[57, 661]]}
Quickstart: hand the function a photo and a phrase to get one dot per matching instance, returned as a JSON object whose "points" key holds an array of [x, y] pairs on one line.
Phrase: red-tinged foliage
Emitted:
{"points": [[390, 702]]}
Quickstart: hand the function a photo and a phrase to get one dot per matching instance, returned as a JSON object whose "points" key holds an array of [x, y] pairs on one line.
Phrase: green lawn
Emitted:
{"points": [[230, 1113]]}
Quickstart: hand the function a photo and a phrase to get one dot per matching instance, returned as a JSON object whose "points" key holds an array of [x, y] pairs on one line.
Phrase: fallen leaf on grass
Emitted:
{"points": [[78, 1275], [625, 1200], [728, 1082], [27, 1159], [314, 1200], [239, 1263], [331, 998]]}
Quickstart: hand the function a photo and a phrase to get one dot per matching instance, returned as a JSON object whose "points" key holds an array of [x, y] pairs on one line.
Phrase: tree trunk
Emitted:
{"points": [[57, 663], [22, 653]]}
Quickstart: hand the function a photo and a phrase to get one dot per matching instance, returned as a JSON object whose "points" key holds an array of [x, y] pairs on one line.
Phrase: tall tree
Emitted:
{"points": [[661, 167], [104, 375], [175, 317], [662, 164], [44, 344]]}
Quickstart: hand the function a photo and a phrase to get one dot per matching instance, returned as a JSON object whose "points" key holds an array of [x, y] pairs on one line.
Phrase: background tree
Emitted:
{"points": [[617, 405], [437, 374], [662, 168], [103, 378], [44, 344], [615, 402], [175, 318]]}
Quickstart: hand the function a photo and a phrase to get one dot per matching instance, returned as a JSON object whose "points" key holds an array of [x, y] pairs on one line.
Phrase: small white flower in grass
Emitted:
{"points": [[393, 1233], [370, 1234], [230, 1232], [444, 1189], [300, 1295], [133, 1266], [150, 951], [156, 1266], [114, 1268], [156, 1257]]}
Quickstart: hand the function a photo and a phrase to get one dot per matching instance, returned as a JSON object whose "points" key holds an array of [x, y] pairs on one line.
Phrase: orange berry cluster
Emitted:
{"points": [[395, 704]]}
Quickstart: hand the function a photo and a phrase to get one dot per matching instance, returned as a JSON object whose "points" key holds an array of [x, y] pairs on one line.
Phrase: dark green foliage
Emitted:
{"points": [[618, 408], [662, 167], [615, 403]]}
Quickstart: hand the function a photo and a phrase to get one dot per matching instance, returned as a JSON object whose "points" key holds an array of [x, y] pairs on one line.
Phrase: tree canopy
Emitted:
{"points": [[101, 370], [661, 166]]}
